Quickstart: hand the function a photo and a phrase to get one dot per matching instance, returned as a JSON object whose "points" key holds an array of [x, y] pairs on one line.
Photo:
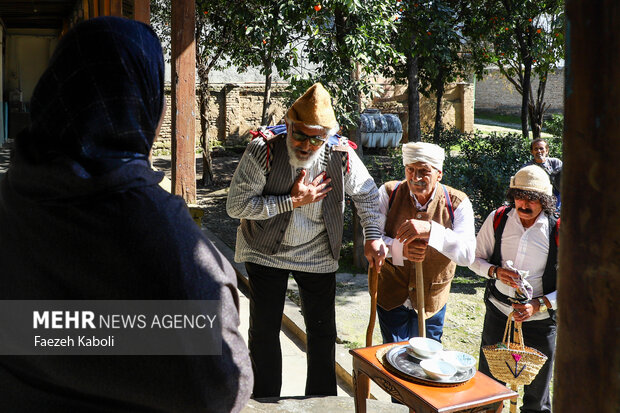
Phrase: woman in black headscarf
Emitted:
{"points": [[82, 218]]}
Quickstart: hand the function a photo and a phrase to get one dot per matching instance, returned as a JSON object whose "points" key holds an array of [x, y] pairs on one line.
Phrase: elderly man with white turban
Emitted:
{"points": [[422, 221]]}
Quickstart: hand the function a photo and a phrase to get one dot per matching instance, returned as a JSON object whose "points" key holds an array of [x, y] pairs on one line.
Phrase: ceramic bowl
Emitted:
{"points": [[438, 369], [425, 347], [462, 361]]}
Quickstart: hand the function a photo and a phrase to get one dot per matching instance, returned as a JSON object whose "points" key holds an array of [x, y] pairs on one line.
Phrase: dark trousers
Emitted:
{"points": [[401, 324], [536, 334], [267, 293]]}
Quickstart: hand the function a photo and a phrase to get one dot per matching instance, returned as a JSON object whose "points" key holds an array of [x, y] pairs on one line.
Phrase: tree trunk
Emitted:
{"points": [[267, 64], [537, 108], [414, 131], [525, 98], [266, 116], [438, 113], [207, 162]]}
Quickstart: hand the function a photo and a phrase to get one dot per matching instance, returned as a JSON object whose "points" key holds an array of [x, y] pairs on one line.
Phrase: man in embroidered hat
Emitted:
{"points": [[422, 221], [288, 190], [517, 241]]}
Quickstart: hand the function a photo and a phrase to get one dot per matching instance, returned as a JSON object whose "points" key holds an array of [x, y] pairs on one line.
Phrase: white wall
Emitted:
{"points": [[27, 55]]}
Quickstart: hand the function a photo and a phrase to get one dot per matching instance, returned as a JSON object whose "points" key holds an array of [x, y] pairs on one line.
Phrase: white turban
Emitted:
{"points": [[423, 152]]}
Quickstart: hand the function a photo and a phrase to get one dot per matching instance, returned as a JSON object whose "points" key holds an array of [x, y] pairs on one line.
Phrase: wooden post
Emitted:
{"points": [[116, 8], [588, 343], [183, 99], [142, 11]]}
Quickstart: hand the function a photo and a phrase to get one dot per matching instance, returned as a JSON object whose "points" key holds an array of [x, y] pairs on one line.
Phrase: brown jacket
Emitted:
{"points": [[397, 283]]}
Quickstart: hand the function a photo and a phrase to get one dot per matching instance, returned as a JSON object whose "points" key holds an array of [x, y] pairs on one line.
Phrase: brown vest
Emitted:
{"points": [[397, 283]]}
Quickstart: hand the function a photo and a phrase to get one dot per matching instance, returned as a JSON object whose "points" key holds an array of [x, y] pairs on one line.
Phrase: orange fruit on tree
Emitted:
{"points": [[317, 7]]}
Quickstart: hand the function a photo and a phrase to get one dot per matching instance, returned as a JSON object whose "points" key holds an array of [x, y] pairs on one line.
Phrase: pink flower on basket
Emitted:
{"points": [[517, 357]]}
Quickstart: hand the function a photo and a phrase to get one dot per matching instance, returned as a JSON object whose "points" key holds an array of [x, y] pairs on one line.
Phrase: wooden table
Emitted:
{"points": [[480, 394]]}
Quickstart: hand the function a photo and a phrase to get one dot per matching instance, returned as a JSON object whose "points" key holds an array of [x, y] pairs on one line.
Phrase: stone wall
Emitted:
{"points": [[496, 93], [235, 109], [457, 107]]}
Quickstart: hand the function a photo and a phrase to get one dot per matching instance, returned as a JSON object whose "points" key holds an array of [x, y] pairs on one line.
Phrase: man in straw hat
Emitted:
{"points": [[288, 190], [516, 241], [423, 221]]}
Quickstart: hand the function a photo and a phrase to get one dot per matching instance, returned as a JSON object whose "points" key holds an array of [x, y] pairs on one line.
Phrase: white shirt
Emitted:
{"points": [[527, 248], [457, 243]]}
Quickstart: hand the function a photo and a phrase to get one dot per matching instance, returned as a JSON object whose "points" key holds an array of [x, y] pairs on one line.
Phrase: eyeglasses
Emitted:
{"points": [[314, 140]]}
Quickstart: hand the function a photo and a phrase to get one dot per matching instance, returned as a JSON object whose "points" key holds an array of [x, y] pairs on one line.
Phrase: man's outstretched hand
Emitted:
{"points": [[303, 194]]}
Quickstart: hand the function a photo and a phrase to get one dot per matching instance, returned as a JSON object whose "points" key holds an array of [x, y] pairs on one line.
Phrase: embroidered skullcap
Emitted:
{"points": [[424, 152], [314, 108], [532, 178]]}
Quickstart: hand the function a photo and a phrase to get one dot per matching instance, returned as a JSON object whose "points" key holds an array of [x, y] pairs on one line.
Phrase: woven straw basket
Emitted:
{"points": [[513, 362]]}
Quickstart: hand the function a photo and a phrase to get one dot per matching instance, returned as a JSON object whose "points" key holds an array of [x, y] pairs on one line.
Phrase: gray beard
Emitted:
{"points": [[298, 163]]}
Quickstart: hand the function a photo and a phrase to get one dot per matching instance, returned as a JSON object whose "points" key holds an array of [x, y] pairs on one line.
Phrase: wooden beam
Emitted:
{"points": [[183, 99], [142, 11], [116, 8], [587, 363]]}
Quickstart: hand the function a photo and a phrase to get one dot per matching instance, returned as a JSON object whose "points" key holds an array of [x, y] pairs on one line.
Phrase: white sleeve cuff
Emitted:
{"points": [[438, 234]]}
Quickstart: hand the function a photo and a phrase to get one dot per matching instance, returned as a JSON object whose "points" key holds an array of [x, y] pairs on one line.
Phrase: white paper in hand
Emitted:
{"points": [[397, 253]]}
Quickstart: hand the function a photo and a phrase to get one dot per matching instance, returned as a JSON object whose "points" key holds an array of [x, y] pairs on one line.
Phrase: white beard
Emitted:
{"points": [[298, 163]]}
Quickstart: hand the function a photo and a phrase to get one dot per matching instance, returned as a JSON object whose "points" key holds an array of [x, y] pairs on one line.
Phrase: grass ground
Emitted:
{"points": [[483, 116]]}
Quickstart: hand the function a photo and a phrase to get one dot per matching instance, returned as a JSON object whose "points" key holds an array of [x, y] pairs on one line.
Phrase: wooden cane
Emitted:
{"points": [[373, 282], [419, 286]]}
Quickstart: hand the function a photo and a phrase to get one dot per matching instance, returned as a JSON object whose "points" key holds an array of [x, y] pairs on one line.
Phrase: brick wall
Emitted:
{"points": [[496, 93]]}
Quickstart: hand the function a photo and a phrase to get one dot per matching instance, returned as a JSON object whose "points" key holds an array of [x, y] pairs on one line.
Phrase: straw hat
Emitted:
{"points": [[314, 108], [532, 178]]}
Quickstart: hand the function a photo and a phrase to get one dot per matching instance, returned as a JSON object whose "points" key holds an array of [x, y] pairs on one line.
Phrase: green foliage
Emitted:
{"points": [[521, 38], [555, 125], [483, 166], [435, 26], [347, 40], [273, 30]]}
